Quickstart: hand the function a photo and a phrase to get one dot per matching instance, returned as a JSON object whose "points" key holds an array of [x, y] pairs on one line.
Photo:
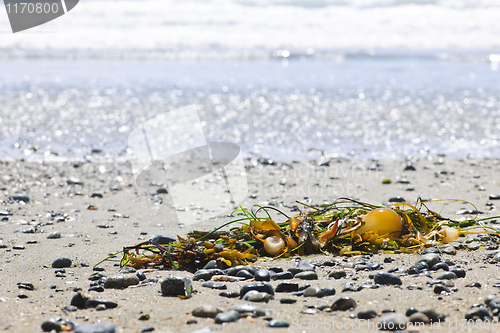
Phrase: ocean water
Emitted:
{"points": [[282, 79]]}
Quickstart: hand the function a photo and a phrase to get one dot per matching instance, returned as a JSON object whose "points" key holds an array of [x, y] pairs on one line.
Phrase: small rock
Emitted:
{"points": [[262, 275], [248, 309], [245, 274], [94, 303], [61, 262], [439, 288], [173, 286], [338, 274], [282, 276], [259, 286], [163, 239], [214, 285], [54, 235], [446, 276], [255, 296], [227, 317], [459, 272], [206, 311], [397, 199], [230, 294], [494, 196], [79, 300], [430, 259], [97, 328], [287, 287], [328, 291], [392, 322], [313, 292], [481, 313], [306, 275], [344, 304], [288, 301], [26, 285], [121, 281], [367, 314], [277, 323], [57, 325], [419, 317], [19, 197], [25, 229], [206, 274], [387, 279]]}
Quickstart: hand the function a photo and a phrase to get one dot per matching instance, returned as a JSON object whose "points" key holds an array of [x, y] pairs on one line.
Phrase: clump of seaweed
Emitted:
{"points": [[344, 227]]}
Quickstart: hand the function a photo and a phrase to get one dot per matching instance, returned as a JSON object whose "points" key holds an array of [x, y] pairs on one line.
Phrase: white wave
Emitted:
{"points": [[254, 25]]}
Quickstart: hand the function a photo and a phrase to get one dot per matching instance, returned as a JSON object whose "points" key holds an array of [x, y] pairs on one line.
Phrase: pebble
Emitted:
{"points": [[307, 275], [26, 229], [98, 289], [206, 311], [287, 287], [419, 317], [173, 286], [277, 323], [96, 328], [57, 323], [338, 274], [230, 294], [227, 317], [328, 291], [459, 272], [214, 285], [259, 286], [93, 303], [163, 239], [430, 259], [248, 309], [245, 274], [26, 285], [397, 199], [494, 196], [305, 265], [440, 265], [61, 262], [288, 301], [392, 322], [19, 197], [147, 329], [344, 304], [262, 275], [473, 285], [439, 288], [121, 281], [54, 235], [79, 300], [387, 279], [282, 276], [19, 247], [206, 274], [480, 313], [367, 314], [255, 296], [313, 292], [446, 276]]}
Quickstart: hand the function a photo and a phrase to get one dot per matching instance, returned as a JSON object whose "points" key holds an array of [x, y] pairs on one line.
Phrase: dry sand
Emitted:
{"points": [[56, 206]]}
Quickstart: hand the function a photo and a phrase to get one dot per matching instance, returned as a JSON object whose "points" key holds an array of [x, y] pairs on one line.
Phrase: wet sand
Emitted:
{"points": [[127, 214]]}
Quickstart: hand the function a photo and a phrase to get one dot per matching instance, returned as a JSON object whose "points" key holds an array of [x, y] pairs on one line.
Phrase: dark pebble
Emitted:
{"points": [[19, 197], [206, 274], [245, 274], [287, 287], [494, 196], [387, 278], [163, 239], [206, 311], [276, 269], [288, 301], [277, 323], [19, 247], [338, 274], [54, 235], [79, 300], [397, 199], [259, 286], [282, 276], [306, 275], [330, 263], [459, 272], [93, 303], [61, 262], [439, 288], [328, 291], [26, 286], [344, 304], [141, 276], [262, 275], [440, 265], [56, 324], [481, 313], [147, 329], [410, 311], [313, 291], [432, 315], [367, 314], [97, 328], [96, 195], [99, 289], [227, 317], [173, 286]]}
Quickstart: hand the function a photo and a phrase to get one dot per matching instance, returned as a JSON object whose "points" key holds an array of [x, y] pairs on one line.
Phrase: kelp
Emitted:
{"points": [[344, 227]]}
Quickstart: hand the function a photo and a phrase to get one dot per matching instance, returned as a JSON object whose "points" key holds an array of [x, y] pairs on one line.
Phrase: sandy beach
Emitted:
{"points": [[60, 195]]}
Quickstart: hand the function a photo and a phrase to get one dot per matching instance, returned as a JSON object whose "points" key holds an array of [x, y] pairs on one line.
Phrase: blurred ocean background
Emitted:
{"points": [[284, 79]]}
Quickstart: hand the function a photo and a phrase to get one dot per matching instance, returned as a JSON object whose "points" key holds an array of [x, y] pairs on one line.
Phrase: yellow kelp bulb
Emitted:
{"points": [[450, 234], [382, 221], [274, 245]]}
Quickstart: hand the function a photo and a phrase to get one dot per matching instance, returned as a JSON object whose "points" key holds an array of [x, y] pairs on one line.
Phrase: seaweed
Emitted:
{"points": [[345, 227]]}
